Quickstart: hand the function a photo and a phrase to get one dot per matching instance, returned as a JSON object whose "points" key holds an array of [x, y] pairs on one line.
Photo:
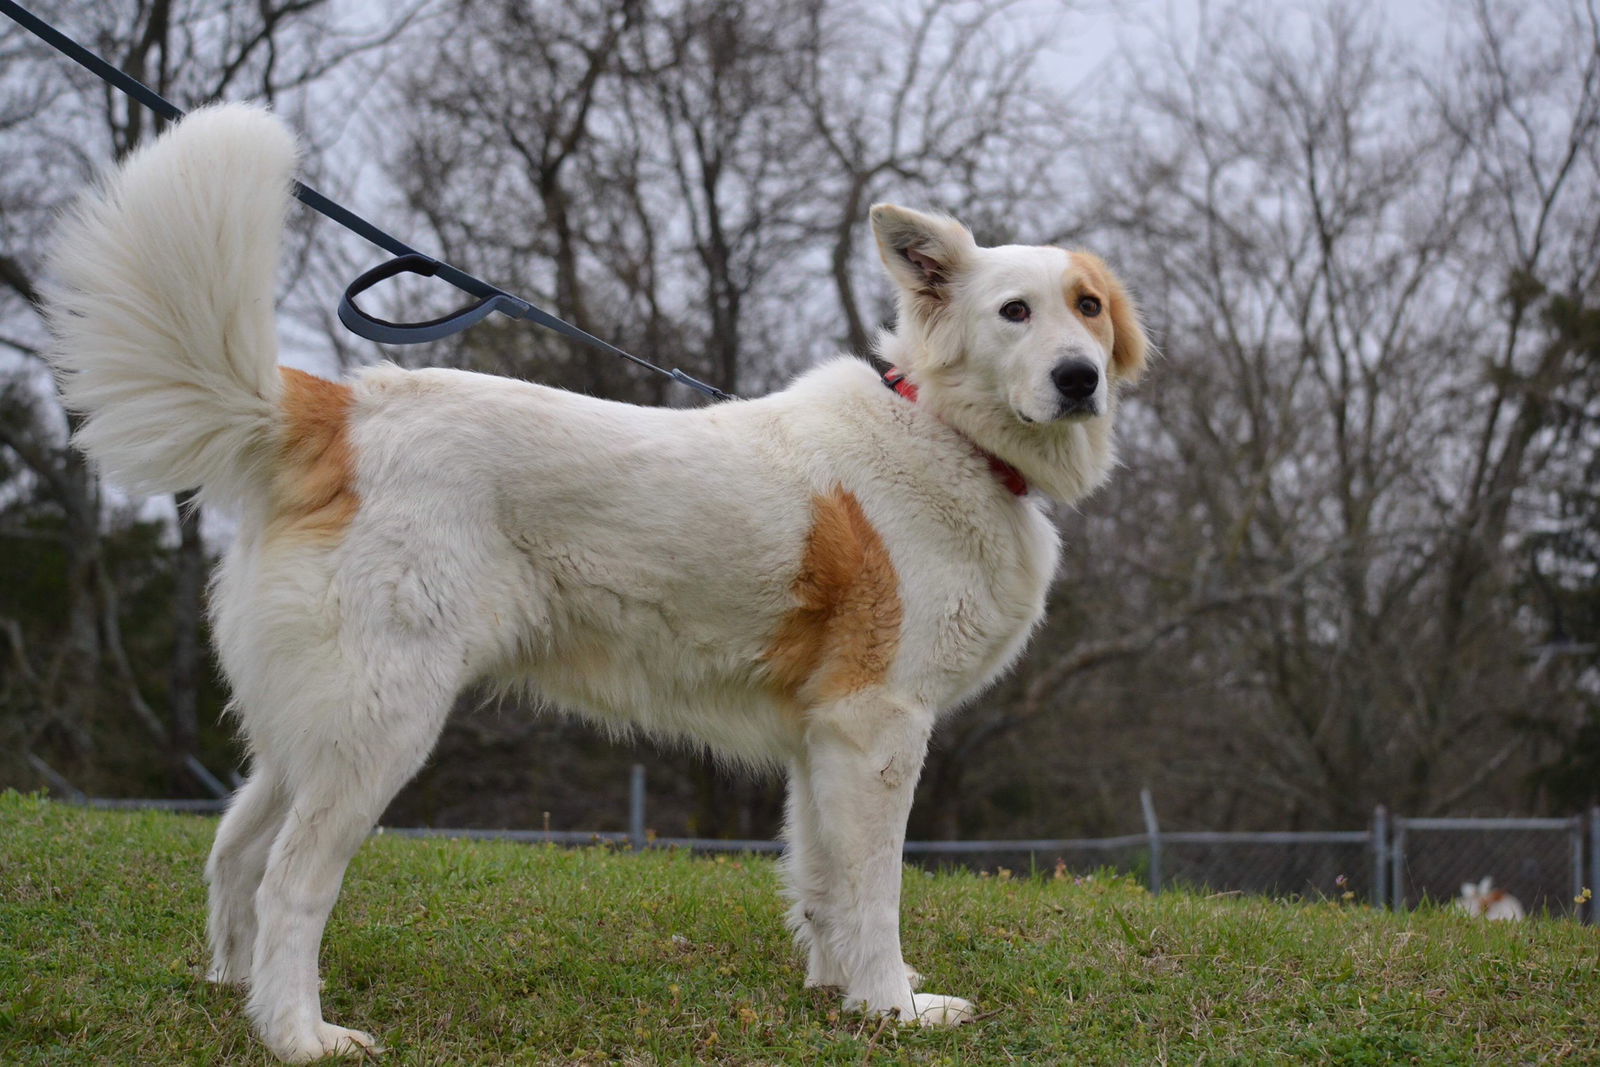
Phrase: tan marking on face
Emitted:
{"points": [[1117, 326], [1086, 277], [314, 485], [842, 635]]}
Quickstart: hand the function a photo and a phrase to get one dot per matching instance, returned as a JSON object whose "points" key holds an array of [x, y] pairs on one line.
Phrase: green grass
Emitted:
{"points": [[467, 952]]}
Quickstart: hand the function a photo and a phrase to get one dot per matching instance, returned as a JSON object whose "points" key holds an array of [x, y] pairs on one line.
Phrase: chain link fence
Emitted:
{"points": [[1549, 865], [1540, 862]]}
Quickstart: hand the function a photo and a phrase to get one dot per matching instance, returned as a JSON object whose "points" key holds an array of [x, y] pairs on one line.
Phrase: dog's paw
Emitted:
{"points": [[930, 1009], [324, 1039]]}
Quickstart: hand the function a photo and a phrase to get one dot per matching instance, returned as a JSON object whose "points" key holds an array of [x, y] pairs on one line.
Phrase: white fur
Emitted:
{"points": [[630, 564], [163, 307]]}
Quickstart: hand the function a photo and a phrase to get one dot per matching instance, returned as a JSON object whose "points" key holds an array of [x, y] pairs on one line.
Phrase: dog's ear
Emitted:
{"points": [[1130, 348], [924, 253]]}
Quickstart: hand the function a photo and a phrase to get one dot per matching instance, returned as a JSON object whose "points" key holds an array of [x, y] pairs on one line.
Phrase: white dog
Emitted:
{"points": [[805, 580], [1483, 900]]}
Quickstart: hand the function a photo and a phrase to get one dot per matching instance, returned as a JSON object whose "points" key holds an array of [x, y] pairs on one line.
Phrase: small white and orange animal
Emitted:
{"points": [[807, 581], [1485, 901]]}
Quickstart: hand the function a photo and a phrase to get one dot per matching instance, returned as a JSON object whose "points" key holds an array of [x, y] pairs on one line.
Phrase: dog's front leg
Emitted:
{"points": [[808, 878], [862, 759]]}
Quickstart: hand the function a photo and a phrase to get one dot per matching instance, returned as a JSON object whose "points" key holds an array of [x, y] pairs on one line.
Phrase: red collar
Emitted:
{"points": [[1009, 476]]}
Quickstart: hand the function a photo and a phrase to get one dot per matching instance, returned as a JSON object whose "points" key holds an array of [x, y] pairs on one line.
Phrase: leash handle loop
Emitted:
{"points": [[412, 333], [491, 300]]}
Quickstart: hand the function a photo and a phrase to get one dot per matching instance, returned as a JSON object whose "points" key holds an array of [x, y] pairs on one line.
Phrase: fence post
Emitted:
{"points": [[1397, 861], [1153, 829], [1380, 855], [1575, 836], [636, 832], [1594, 864]]}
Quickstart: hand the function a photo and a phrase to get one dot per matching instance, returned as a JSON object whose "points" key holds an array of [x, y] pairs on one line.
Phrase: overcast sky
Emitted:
{"points": [[1093, 35]]}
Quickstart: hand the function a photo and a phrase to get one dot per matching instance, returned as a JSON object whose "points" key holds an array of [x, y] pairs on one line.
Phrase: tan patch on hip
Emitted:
{"points": [[843, 634], [314, 485]]}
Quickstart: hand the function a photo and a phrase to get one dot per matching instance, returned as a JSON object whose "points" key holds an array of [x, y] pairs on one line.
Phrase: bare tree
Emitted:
{"points": [[1354, 403], [716, 76], [66, 123], [497, 159], [956, 115]]}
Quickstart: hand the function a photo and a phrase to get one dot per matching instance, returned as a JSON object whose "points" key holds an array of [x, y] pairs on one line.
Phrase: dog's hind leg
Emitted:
{"points": [[864, 754], [348, 760], [238, 858]]}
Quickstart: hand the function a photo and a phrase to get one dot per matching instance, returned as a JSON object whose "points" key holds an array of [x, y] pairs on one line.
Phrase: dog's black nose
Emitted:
{"points": [[1076, 379]]}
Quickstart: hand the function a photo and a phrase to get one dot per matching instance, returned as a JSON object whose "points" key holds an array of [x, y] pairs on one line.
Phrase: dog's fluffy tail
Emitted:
{"points": [[163, 306]]}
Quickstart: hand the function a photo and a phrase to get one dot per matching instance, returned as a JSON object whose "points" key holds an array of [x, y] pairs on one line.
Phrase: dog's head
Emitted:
{"points": [[1048, 334]]}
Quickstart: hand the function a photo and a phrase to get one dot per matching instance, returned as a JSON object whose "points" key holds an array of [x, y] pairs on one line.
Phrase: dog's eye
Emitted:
{"points": [[1015, 311], [1089, 305]]}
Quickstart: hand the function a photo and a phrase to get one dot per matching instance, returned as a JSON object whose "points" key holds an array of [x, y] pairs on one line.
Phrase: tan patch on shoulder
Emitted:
{"points": [[314, 485], [842, 635]]}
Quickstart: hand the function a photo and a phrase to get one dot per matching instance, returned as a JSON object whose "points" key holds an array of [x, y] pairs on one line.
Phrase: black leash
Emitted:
{"points": [[408, 260]]}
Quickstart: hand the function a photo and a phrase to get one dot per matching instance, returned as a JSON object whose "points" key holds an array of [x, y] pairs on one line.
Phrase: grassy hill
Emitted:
{"points": [[465, 952]]}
